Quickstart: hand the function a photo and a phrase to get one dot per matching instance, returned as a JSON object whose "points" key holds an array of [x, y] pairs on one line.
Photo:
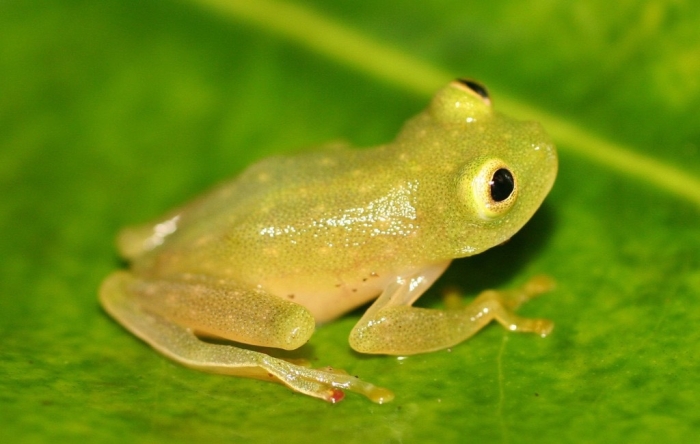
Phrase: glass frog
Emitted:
{"points": [[298, 240]]}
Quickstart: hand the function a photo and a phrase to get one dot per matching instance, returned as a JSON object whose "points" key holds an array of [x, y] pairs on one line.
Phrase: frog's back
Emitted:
{"points": [[271, 206]]}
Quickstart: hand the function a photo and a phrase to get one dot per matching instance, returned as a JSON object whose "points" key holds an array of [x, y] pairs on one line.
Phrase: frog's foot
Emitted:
{"points": [[501, 303], [326, 383], [536, 286], [403, 330], [182, 345]]}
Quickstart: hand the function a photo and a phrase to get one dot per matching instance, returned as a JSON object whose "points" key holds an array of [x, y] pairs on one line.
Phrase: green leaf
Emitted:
{"points": [[112, 112]]}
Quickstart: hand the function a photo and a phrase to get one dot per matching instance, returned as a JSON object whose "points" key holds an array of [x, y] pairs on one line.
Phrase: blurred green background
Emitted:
{"points": [[112, 112]]}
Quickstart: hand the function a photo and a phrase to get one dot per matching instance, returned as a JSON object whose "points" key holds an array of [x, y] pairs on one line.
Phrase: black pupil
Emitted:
{"points": [[502, 185], [476, 87]]}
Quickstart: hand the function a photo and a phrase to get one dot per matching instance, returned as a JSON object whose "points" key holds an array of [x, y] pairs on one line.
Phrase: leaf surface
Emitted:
{"points": [[112, 112]]}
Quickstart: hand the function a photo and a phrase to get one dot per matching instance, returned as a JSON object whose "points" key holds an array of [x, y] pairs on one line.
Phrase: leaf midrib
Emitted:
{"points": [[349, 47]]}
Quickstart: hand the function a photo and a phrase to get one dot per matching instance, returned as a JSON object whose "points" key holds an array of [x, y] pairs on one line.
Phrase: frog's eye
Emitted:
{"points": [[474, 88], [494, 189]]}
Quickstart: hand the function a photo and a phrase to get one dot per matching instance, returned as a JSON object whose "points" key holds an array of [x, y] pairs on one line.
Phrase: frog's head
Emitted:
{"points": [[500, 169]]}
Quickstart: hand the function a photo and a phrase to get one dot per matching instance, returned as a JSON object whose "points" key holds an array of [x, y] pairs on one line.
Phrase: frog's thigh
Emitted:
{"points": [[181, 345], [214, 308], [404, 330]]}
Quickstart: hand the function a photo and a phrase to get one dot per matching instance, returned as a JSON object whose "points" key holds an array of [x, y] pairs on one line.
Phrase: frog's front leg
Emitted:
{"points": [[392, 326], [156, 311]]}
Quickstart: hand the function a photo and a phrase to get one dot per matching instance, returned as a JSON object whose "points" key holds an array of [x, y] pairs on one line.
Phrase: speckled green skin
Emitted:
{"points": [[331, 229]]}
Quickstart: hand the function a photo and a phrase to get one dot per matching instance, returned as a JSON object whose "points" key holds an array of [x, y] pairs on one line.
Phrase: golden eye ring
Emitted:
{"points": [[495, 189]]}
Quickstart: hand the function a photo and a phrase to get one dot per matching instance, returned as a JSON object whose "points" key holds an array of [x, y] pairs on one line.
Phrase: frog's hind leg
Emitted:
{"points": [[399, 329], [225, 309], [121, 296]]}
